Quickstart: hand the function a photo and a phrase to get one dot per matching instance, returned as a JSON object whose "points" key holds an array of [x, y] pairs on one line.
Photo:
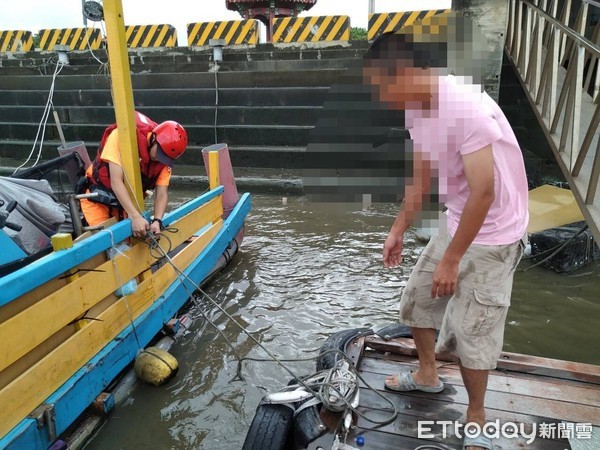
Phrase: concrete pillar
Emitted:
{"points": [[492, 17]]}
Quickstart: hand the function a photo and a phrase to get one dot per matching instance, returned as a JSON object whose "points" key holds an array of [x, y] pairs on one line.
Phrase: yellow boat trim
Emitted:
{"points": [[60, 308]]}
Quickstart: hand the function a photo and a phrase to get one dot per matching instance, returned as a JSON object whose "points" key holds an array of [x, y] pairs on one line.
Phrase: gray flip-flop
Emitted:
{"points": [[481, 441], [406, 383]]}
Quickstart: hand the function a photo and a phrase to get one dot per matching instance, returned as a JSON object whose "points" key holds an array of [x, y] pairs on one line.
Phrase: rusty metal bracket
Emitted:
{"points": [[45, 415]]}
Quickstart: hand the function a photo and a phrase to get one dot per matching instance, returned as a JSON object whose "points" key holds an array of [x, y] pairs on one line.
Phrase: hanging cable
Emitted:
{"points": [[158, 254], [89, 46], [124, 296], [44, 120]]}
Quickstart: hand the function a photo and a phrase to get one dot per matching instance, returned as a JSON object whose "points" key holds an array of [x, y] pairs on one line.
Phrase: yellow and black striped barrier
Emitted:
{"points": [[75, 38], [151, 36], [311, 29], [16, 41], [385, 22], [234, 32]]}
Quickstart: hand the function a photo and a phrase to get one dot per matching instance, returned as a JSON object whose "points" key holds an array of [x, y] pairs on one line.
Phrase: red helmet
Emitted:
{"points": [[172, 138]]}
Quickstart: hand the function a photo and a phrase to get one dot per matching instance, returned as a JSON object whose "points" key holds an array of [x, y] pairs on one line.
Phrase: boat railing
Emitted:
{"points": [[557, 58]]}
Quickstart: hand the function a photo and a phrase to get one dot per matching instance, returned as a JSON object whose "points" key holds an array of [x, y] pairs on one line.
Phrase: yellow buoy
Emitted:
{"points": [[155, 366]]}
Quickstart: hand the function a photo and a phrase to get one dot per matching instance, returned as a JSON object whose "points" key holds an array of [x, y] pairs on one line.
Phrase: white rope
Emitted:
{"points": [[120, 282], [44, 120], [90, 47]]}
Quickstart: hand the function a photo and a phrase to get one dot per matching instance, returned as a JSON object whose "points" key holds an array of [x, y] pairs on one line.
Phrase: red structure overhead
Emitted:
{"points": [[267, 10]]}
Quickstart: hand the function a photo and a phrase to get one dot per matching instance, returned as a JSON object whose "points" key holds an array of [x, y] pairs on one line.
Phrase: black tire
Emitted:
{"points": [[338, 341], [270, 428], [308, 426], [393, 331]]}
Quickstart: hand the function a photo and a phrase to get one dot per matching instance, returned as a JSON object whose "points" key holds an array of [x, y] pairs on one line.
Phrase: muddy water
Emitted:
{"points": [[305, 272]]}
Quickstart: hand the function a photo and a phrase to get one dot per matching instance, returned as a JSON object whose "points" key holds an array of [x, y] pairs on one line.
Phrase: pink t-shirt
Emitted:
{"points": [[464, 121]]}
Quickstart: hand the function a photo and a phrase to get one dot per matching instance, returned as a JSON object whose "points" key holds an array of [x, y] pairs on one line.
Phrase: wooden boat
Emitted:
{"points": [[65, 334], [556, 402]]}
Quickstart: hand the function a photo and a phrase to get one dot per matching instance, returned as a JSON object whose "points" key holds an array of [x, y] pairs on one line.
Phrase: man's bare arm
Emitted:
{"points": [[161, 200], [417, 188], [139, 225], [160, 206], [479, 171]]}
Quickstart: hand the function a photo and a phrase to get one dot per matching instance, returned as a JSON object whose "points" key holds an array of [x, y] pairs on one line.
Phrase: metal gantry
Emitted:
{"points": [[556, 55]]}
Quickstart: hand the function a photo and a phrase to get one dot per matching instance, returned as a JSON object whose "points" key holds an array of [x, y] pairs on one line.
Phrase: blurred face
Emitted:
{"points": [[401, 86]]}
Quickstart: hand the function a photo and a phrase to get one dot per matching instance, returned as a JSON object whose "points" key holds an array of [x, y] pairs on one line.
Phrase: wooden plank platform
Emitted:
{"points": [[527, 391]]}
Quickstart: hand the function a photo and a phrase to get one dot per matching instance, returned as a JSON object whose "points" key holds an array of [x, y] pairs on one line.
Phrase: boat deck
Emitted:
{"points": [[559, 398]]}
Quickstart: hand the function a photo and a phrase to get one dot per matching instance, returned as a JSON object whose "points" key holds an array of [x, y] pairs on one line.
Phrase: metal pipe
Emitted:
{"points": [[75, 217], [84, 18], [592, 2]]}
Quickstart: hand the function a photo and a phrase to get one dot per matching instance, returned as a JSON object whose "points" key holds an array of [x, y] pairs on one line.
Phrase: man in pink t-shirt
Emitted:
{"points": [[466, 120], [462, 282]]}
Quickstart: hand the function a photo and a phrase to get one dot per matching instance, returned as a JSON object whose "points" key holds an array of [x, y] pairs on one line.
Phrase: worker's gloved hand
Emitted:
{"points": [[140, 227]]}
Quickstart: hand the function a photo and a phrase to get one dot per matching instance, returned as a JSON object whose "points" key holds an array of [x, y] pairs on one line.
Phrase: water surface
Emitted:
{"points": [[304, 272]]}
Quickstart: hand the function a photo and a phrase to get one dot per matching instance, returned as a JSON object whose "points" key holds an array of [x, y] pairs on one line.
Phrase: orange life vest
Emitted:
{"points": [[150, 170]]}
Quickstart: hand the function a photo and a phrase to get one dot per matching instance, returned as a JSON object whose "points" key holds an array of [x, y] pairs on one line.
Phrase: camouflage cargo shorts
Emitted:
{"points": [[471, 322]]}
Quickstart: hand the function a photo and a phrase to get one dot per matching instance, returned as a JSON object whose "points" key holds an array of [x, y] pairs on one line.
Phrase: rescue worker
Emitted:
{"points": [[159, 145]]}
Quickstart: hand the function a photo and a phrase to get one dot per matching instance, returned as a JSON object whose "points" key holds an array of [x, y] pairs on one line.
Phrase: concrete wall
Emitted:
{"points": [[270, 96], [492, 17]]}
